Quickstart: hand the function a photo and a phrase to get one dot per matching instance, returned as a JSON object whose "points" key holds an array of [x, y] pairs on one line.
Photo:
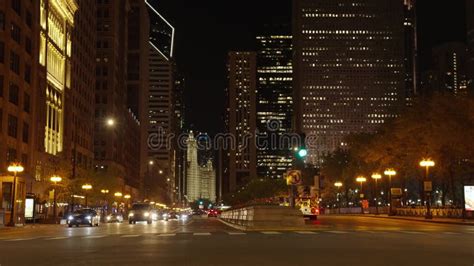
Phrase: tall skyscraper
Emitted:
{"points": [[349, 69], [119, 101], [200, 180], [470, 43], [411, 51], [161, 113], [242, 117], [274, 99], [449, 66], [80, 100]]}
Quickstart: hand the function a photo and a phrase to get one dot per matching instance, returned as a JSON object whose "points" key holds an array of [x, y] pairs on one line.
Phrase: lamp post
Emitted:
{"points": [[55, 180], [15, 169], [376, 177], [390, 172], [361, 180], [86, 188], [118, 195], [338, 185], [104, 193], [427, 163]]}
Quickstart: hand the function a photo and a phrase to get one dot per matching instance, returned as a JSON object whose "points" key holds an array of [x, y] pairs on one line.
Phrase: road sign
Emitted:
{"points": [[396, 191], [428, 186], [293, 177]]}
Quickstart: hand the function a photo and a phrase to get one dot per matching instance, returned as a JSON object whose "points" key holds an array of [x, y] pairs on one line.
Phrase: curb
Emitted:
{"points": [[417, 220]]}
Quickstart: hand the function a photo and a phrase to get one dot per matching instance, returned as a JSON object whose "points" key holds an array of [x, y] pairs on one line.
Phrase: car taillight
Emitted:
{"points": [[314, 211]]}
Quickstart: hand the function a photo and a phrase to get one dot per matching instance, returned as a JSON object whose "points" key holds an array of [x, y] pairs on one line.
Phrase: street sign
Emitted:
{"points": [[396, 191], [427, 186], [293, 177]]}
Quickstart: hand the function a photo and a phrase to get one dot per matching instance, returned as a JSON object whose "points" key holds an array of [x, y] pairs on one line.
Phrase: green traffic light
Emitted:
{"points": [[302, 153]]}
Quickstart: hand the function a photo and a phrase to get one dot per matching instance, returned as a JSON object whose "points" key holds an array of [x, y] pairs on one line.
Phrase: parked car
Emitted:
{"points": [[114, 218], [84, 217], [140, 212]]}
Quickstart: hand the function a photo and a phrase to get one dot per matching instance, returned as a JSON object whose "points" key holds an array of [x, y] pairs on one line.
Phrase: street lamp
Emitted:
{"points": [[118, 194], [151, 162], [104, 192], [376, 177], [55, 180], [127, 196], [86, 187], [160, 172], [15, 169], [338, 185], [427, 163], [361, 180], [110, 122], [390, 172]]}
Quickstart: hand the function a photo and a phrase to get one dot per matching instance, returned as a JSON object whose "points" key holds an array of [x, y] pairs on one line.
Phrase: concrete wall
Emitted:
{"points": [[263, 216]]}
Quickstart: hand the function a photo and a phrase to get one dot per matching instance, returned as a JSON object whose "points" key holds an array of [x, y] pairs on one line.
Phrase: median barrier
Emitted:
{"points": [[263, 217]]}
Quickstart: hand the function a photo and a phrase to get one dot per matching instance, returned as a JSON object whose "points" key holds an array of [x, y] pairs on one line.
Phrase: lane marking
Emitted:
{"points": [[337, 232], [166, 235], [93, 237], [202, 234], [236, 233], [21, 239], [57, 238], [129, 236], [451, 233], [270, 233], [306, 232], [413, 232]]}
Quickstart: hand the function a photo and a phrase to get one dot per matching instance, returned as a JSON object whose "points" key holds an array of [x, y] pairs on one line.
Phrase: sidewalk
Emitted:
{"points": [[29, 226], [422, 219]]}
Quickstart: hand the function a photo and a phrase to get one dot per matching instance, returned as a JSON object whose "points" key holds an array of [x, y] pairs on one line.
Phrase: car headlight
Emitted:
{"points": [[108, 218], [88, 217], [130, 214], [147, 214], [70, 217], [165, 215], [184, 217], [154, 216]]}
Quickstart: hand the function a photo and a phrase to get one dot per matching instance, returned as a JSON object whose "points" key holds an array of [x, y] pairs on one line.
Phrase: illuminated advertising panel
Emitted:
{"points": [[469, 198]]}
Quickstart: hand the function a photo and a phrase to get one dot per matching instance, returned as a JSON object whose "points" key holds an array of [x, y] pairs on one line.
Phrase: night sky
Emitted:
{"points": [[206, 30]]}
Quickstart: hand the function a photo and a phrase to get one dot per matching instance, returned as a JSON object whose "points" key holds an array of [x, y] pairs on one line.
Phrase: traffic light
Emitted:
{"points": [[302, 153], [201, 202]]}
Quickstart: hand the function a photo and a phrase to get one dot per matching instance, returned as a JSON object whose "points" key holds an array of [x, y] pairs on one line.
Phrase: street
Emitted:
{"points": [[332, 240]]}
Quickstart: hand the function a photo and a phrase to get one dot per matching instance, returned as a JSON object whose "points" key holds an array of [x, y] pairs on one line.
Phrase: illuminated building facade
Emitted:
{"points": [[242, 117], [349, 69], [274, 99], [200, 179], [55, 50]]}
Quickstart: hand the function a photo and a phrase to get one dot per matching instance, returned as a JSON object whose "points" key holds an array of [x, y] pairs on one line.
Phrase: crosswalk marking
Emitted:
{"points": [[236, 233], [202, 234], [93, 237], [57, 238], [166, 235], [337, 232], [306, 232], [270, 233], [129, 236]]}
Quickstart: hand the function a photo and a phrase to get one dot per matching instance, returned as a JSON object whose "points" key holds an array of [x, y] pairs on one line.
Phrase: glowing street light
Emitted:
{"points": [[110, 122], [390, 172], [338, 185], [151, 162], [376, 177], [160, 172], [55, 180], [86, 188], [427, 163], [104, 191], [118, 194], [15, 169], [361, 180], [127, 196]]}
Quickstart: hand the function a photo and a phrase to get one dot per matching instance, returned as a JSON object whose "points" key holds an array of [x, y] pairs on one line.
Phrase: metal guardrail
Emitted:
{"points": [[414, 212]]}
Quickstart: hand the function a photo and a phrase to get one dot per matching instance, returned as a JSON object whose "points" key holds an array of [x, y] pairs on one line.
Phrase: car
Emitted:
{"points": [[114, 218], [140, 212], [83, 217], [169, 216], [212, 213]]}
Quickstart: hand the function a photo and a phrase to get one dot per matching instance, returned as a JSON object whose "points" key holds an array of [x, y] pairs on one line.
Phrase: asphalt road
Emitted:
{"points": [[328, 241]]}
